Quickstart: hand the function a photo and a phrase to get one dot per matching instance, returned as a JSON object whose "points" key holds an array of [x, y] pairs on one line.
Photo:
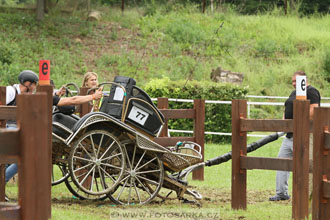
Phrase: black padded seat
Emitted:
{"points": [[66, 120]]}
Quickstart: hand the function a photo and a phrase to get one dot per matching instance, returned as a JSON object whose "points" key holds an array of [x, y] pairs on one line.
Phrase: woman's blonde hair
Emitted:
{"points": [[87, 76]]}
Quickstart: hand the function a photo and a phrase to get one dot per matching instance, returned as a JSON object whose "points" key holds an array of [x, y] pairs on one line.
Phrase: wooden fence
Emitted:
{"points": [[85, 108], [197, 113], [300, 126], [321, 164], [29, 146]]}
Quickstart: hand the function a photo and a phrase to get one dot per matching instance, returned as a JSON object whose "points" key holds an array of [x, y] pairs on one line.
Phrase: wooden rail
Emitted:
{"points": [[29, 145], [197, 114], [300, 127], [2, 166], [85, 108], [321, 164]]}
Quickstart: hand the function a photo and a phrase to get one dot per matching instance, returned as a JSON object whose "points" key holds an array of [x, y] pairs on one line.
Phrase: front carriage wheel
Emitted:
{"points": [[96, 162], [142, 179]]}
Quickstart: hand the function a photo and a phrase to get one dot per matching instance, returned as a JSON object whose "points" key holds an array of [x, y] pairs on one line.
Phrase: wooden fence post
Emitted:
{"points": [[321, 164], [48, 89], [2, 166], [238, 186], [84, 108], [199, 106], [162, 103], [300, 159], [34, 176]]}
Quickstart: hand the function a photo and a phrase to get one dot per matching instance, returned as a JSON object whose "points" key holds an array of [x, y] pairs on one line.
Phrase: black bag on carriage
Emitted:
{"points": [[113, 105]]}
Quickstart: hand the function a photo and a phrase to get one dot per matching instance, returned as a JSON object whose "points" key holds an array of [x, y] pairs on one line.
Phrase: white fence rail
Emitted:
{"points": [[229, 103]]}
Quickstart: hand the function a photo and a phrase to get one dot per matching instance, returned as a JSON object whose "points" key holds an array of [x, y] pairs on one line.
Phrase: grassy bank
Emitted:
{"points": [[180, 43]]}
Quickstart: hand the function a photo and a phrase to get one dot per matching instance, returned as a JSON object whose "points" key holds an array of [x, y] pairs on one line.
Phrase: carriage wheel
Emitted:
{"points": [[77, 192], [59, 174], [96, 162], [142, 179]]}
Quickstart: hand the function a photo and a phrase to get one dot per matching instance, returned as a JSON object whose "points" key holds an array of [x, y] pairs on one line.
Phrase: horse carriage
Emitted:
{"points": [[112, 153]]}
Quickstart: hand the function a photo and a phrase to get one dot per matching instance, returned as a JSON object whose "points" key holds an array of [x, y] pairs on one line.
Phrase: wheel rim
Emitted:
{"points": [[142, 179], [77, 192], [97, 162], [59, 174]]}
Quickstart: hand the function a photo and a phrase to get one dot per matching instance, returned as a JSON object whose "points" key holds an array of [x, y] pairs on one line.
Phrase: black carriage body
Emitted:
{"points": [[142, 113]]}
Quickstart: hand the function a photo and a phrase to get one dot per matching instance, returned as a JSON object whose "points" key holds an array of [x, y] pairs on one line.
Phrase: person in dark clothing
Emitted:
{"points": [[27, 84], [286, 150]]}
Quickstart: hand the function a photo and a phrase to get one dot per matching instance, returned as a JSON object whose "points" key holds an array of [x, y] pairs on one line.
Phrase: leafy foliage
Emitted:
{"points": [[217, 116]]}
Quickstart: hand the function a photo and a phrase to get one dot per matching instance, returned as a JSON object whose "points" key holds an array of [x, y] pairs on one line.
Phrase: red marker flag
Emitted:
{"points": [[44, 72]]}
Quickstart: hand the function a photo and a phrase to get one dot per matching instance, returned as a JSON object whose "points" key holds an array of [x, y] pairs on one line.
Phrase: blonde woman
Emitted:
{"points": [[90, 80]]}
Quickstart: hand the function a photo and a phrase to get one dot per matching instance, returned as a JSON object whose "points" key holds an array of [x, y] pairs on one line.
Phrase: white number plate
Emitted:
{"points": [[138, 115]]}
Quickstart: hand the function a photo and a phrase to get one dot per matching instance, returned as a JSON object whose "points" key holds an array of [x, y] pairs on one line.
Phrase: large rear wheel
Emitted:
{"points": [[97, 162]]}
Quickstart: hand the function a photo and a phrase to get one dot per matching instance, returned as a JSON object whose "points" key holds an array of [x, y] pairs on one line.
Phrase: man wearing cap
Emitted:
{"points": [[27, 84]]}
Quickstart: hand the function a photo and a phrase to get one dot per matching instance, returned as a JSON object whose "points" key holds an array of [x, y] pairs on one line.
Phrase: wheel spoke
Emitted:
{"points": [[84, 179], [106, 151], [90, 156], [155, 158], [93, 175], [122, 189], [130, 191], [109, 165], [128, 160], [83, 174], [110, 157], [137, 192], [148, 171], [80, 168], [98, 149], [93, 146], [146, 179], [144, 187], [81, 158], [134, 151], [140, 160], [101, 178], [108, 174]]}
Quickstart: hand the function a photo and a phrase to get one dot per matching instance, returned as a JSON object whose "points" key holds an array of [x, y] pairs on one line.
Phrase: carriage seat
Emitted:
{"points": [[65, 125]]}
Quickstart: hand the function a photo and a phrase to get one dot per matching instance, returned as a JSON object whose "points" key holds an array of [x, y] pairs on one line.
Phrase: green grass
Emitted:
{"points": [[215, 202], [220, 176], [177, 42]]}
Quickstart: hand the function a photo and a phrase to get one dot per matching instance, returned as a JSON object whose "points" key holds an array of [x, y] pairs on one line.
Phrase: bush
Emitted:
{"points": [[217, 116], [326, 65]]}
